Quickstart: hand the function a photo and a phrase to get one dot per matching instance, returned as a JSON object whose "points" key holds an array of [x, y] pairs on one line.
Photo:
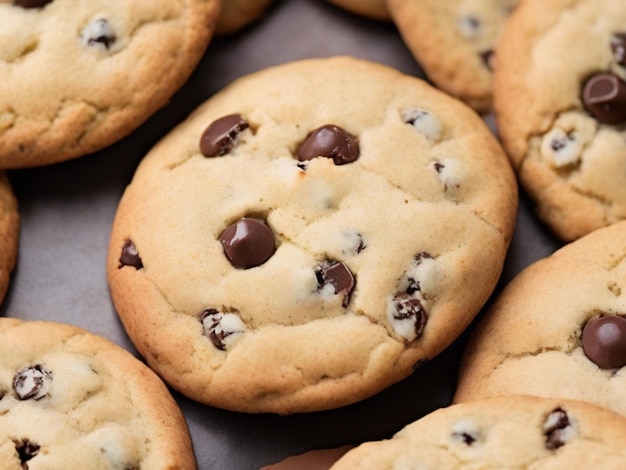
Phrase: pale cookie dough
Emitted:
{"points": [[514, 432], [71, 399], [9, 233], [455, 41], [374, 9], [557, 329], [76, 76], [560, 106], [256, 277], [237, 14]]}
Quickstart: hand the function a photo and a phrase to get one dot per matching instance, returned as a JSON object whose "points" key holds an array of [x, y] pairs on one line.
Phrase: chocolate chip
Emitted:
{"points": [[409, 309], [488, 58], [219, 326], [423, 121], [219, 138], [330, 141], [130, 256], [247, 243], [556, 429], [604, 341], [604, 96], [99, 33], [32, 382], [618, 47], [465, 437], [26, 450], [338, 275], [31, 3]]}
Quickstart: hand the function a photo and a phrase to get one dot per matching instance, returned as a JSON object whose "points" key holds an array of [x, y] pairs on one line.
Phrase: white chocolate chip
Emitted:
{"points": [[561, 149], [32, 382], [469, 26], [99, 34], [466, 431], [450, 173], [423, 121], [224, 329]]}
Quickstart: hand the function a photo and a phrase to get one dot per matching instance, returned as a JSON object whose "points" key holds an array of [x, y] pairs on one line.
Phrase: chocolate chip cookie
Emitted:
{"points": [[558, 329], [71, 399], [309, 235], [562, 115], [77, 76], [455, 41], [237, 14], [505, 432], [9, 232]]}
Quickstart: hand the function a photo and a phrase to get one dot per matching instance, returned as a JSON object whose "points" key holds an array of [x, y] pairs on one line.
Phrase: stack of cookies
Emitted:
{"points": [[316, 231]]}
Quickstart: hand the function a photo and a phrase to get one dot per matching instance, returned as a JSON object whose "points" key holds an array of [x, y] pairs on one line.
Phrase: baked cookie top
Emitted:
{"points": [[71, 399], [514, 432], [557, 329], [255, 276], [562, 115], [9, 232], [76, 76], [454, 42]]}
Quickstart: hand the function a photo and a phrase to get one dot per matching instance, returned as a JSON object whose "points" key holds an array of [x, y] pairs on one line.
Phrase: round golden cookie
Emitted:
{"points": [[71, 399], [9, 233], [374, 9], [560, 106], [454, 41], [237, 14], [309, 235], [557, 329], [76, 76], [513, 432]]}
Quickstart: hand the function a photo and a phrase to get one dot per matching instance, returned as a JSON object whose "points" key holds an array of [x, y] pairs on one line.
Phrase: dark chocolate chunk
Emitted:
{"points": [[26, 450], [330, 141], [247, 243], [32, 382], [336, 274], [219, 138], [604, 341], [410, 308], [219, 326], [465, 437], [31, 3], [618, 47], [130, 256], [99, 33], [555, 428], [604, 96], [488, 58]]}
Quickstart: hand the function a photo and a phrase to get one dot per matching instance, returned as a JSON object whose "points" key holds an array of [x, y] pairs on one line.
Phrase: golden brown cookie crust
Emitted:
{"points": [[9, 232]]}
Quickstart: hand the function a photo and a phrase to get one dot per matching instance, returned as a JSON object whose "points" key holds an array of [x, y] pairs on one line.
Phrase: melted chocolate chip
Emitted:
{"points": [[219, 326], [219, 138], [32, 382], [465, 437], [604, 341], [26, 450], [247, 243], [555, 428], [410, 308], [604, 96], [330, 141], [337, 275], [99, 33], [618, 47], [130, 256], [31, 3]]}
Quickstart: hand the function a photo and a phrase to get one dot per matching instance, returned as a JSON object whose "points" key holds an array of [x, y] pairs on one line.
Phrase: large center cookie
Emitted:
{"points": [[71, 399], [76, 76], [310, 235]]}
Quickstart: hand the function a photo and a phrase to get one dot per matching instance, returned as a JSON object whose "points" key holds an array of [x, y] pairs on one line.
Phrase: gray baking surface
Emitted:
{"points": [[67, 210]]}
